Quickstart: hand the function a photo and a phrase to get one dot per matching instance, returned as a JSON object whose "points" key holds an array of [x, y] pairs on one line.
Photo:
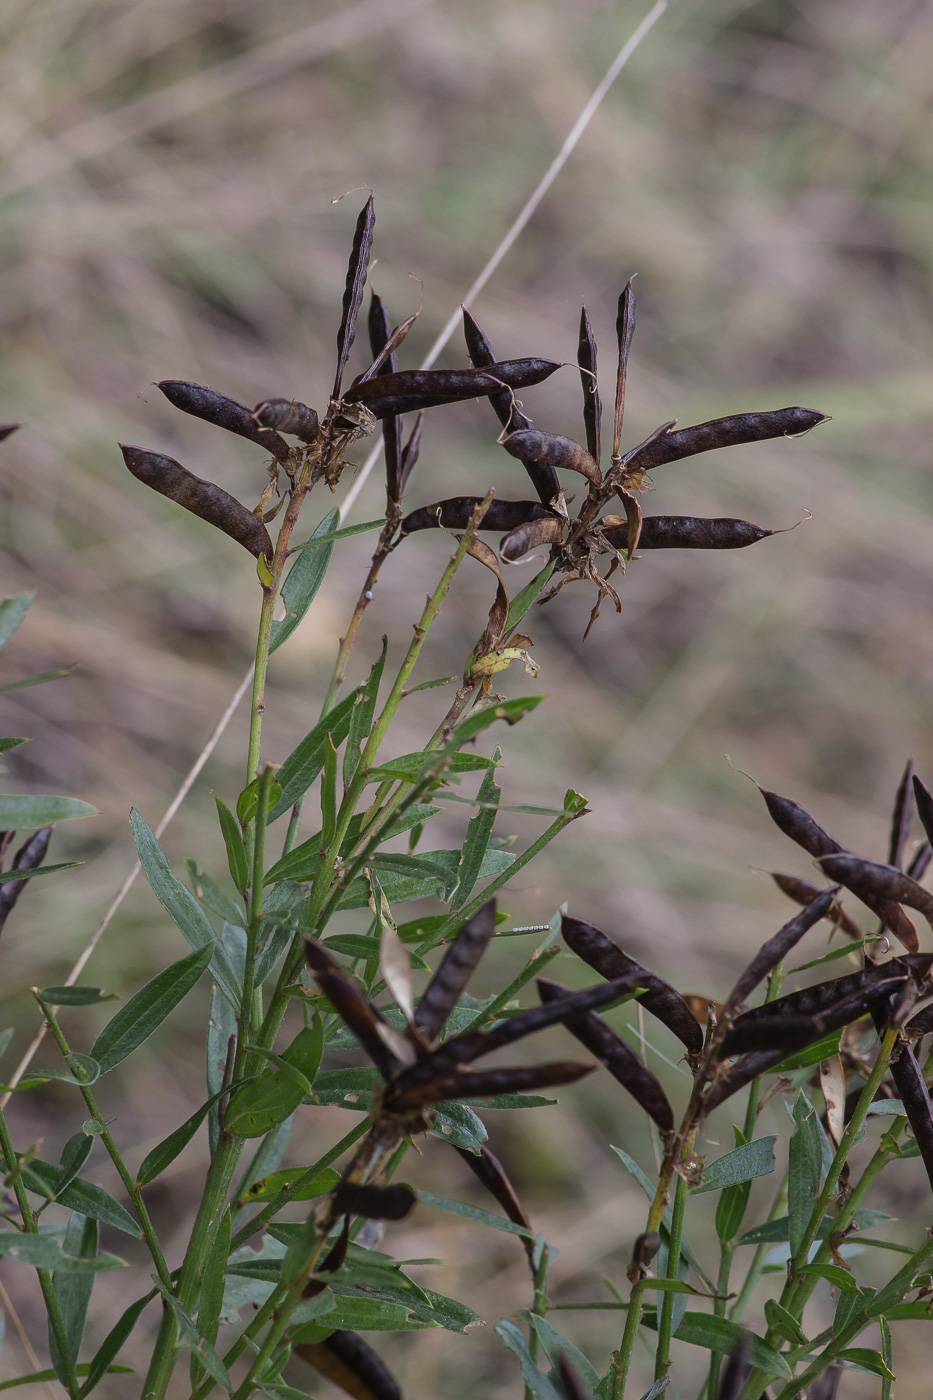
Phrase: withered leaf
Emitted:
{"points": [[203, 498], [771, 953], [456, 513], [726, 432], [288, 416], [375, 1202], [222, 411], [410, 453], [457, 966], [619, 1059], [386, 353], [353, 291], [592, 407], [803, 891], [411, 389], [530, 445], [900, 819], [833, 1085], [690, 532], [659, 997], [625, 329], [530, 535], [351, 1364]]}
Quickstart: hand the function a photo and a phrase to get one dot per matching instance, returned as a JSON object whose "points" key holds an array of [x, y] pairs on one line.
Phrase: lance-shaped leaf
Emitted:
{"points": [[726, 432], [412, 389], [351, 1364], [353, 291], [530, 445], [658, 997], [288, 416], [524, 538], [689, 532], [878, 881], [457, 512], [380, 333], [480, 1084], [777, 947], [900, 817], [458, 965], [224, 412], [803, 891], [348, 998], [203, 498], [915, 1096], [375, 1202], [490, 1172], [592, 407], [543, 478], [625, 329], [797, 823], [619, 1059], [29, 857]]}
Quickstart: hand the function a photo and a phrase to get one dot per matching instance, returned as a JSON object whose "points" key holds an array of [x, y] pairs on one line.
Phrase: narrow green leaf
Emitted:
{"points": [[198, 1345], [12, 612], [27, 811], [269, 1186], [814, 1054], [399, 888], [867, 1360], [784, 1323], [233, 841], [272, 1097], [361, 720], [8, 876], [74, 1155], [834, 1274], [211, 1297], [329, 794], [528, 595], [742, 1164], [722, 1335], [887, 1356], [317, 540], [556, 1344], [541, 1387], [73, 1290], [305, 761], [731, 1206], [804, 1168], [6, 745], [165, 1152], [38, 680], [431, 685], [213, 896], [509, 710], [415, 766], [49, 1375], [222, 1024], [75, 996], [478, 832], [43, 1252], [77, 1194], [457, 1124], [146, 1011], [304, 579], [482, 1217], [842, 951]]}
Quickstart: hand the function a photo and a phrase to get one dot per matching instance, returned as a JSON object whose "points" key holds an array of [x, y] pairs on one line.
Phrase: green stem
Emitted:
{"points": [[623, 1356], [666, 1310], [539, 1306], [726, 1251]]}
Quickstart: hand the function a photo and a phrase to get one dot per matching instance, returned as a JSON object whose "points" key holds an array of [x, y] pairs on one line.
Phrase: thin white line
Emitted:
{"points": [[544, 184]]}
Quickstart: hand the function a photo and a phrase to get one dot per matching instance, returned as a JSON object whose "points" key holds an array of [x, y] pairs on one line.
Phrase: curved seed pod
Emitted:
{"points": [[412, 389], [490, 1172], [775, 949], [7, 428], [456, 513], [351, 1364], [900, 818], [622, 1063], [915, 1096], [410, 453], [528, 445], [288, 416], [878, 881], [222, 411], [819, 999], [528, 536], [690, 532], [375, 1202], [28, 857], [380, 332], [797, 823], [350, 1001], [457, 966], [625, 329], [353, 290], [203, 498], [783, 1028], [481, 1084], [803, 891], [659, 997], [920, 864], [924, 800], [592, 407], [727, 432]]}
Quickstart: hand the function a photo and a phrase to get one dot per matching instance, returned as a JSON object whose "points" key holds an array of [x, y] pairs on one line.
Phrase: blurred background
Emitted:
{"points": [[166, 187]]}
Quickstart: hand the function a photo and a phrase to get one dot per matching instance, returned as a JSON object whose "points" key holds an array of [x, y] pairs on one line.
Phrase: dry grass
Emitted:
{"points": [[168, 172]]}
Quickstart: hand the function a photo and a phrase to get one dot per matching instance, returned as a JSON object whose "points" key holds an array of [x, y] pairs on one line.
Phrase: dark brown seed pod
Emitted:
{"points": [[771, 953], [28, 857], [532, 534], [458, 965], [203, 498], [490, 1172], [827, 1383], [658, 997], [571, 1384], [915, 1096], [922, 1023], [350, 1001], [288, 416], [735, 1375], [380, 331], [375, 1202], [412, 389], [900, 818], [353, 290], [592, 407], [410, 453], [528, 445], [726, 432], [351, 1364], [619, 1059], [878, 881], [386, 354], [690, 532], [481, 1084], [924, 800], [920, 864], [7, 428], [456, 513], [797, 823], [222, 411], [803, 891], [337, 1254], [788, 1032], [625, 329]]}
